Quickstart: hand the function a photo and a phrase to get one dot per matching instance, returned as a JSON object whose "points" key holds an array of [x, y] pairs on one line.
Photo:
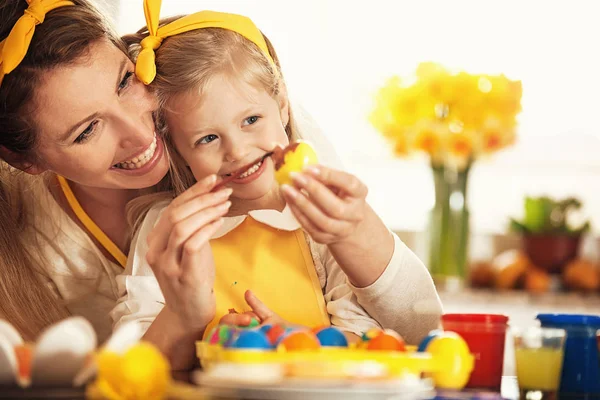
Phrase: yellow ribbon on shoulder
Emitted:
{"points": [[14, 48], [145, 67]]}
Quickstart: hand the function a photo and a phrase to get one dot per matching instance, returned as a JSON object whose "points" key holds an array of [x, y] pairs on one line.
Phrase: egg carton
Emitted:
{"points": [[62, 356], [443, 358]]}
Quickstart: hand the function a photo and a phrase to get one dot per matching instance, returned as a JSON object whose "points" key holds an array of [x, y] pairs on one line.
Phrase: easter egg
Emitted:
{"points": [[427, 339], [253, 323], [265, 328], [387, 340], [331, 337], [300, 340], [370, 334], [275, 333], [24, 355], [232, 337], [300, 155], [451, 353], [220, 334], [254, 339]]}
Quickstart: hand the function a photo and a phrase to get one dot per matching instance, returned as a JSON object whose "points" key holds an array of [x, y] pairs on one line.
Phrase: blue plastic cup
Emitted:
{"points": [[581, 363]]}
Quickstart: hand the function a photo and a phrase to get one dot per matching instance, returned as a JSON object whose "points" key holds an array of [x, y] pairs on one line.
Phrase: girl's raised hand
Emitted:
{"points": [[180, 255], [329, 204]]}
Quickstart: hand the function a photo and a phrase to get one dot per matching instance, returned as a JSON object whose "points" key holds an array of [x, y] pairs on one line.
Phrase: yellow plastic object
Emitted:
{"points": [[142, 372], [454, 362], [447, 363], [296, 161]]}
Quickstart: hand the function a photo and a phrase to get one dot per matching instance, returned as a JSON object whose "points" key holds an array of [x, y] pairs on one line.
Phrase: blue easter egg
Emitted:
{"points": [[430, 336], [332, 337], [265, 328], [254, 339]]}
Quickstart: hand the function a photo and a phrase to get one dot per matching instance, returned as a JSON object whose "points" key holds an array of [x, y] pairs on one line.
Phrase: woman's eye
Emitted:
{"points": [[126, 80], [87, 133]]}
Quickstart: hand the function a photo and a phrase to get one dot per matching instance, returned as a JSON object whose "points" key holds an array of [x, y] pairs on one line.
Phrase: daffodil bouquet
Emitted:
{"points": [[454, 118]]}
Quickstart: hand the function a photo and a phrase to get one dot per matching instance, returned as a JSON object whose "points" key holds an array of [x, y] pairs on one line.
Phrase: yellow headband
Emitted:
{"points": [[145, 67], [14, 48]]}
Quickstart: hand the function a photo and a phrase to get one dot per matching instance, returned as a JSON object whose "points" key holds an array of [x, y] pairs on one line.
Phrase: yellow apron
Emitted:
{"points": [[276, 265]]}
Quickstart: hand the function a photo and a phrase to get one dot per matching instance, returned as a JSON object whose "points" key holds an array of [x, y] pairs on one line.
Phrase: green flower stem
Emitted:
{"points": [[449, 225]]}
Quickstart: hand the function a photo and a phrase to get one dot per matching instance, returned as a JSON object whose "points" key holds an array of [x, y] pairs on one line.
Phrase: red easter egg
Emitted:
{"points": [[274, 333], [301, 340]]}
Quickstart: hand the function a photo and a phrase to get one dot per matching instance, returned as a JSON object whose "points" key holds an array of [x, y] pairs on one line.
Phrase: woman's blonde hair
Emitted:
{"points": [[63, 39], [25, 299], [185, 63]]}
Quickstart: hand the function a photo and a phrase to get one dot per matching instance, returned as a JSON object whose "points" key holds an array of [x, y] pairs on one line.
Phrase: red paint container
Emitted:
{"points": [[485, 335]]}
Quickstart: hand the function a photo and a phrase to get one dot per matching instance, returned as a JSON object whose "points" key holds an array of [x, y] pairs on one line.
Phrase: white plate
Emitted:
{"points": [[292, 389]]}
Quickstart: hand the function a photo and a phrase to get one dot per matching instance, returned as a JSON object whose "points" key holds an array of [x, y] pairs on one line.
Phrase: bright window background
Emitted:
{"points": [[335, 53]]}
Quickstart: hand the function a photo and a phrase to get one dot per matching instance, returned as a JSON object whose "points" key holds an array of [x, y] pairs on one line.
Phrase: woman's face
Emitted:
{"points": [[94, 123]]}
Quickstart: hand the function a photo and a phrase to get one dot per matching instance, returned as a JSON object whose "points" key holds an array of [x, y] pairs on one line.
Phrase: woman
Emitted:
{"points": [[77, 122]]}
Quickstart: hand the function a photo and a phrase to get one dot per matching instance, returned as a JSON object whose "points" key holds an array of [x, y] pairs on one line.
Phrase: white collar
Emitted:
{"points": [[283, 220]]}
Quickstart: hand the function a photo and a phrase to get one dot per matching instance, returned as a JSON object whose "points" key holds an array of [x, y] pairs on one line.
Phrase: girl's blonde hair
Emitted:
{"points": [[185, 63], [63, 39]]}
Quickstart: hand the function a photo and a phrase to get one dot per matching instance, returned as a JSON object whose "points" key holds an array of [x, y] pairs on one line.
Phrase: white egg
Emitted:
{"points": [[61, 352], [8, 361], [10, 333]]}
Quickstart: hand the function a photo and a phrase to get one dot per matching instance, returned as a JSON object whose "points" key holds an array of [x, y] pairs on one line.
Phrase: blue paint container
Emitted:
{"points": [[581, 364]]}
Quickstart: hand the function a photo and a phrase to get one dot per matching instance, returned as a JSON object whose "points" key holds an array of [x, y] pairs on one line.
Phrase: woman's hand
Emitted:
{"points": [[180, 255]]}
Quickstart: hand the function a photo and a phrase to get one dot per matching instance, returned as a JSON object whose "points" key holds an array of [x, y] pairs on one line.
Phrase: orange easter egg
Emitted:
{"points": [[301, 340], [389, 341]]}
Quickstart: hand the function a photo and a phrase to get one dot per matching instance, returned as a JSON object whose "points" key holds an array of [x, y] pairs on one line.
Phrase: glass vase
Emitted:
{"points": [[449, 228]]}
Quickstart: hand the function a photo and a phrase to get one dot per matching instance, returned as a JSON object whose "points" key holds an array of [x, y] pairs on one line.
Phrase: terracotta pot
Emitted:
{"points": [[551, 252]]}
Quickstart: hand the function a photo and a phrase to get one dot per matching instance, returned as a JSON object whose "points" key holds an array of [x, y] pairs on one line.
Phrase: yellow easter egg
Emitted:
{"points": [[295, 161], [454, 361], [109, 369], [146, 371]]}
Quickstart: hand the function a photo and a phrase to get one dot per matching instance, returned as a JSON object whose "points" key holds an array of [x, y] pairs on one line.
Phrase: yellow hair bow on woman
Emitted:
{"points": [[14, 48], [145, 67]]}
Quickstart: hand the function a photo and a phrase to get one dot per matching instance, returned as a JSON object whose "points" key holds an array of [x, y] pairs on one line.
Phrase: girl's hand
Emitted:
{"points": [[180, 255], [260, 312], [331, 206]]}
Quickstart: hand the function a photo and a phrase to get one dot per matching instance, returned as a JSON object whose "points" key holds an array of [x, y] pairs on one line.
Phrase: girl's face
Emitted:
{"points": [[95, 123], [232, 124]]}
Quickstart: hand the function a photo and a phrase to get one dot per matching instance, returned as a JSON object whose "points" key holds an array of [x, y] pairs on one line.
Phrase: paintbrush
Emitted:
{"points": [[277, 154]]}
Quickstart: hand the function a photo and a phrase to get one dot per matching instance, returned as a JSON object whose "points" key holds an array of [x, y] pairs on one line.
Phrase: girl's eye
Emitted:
{"points": [[251, 120], [207, 139], [87, 133]]}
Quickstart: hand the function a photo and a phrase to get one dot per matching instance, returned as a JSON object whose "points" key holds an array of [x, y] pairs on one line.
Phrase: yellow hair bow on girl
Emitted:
{"points": [[145, 67], [14, 48]]}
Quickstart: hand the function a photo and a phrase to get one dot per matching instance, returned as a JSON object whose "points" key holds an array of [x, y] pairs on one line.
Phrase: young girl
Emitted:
{"points": [[314, 252]]}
